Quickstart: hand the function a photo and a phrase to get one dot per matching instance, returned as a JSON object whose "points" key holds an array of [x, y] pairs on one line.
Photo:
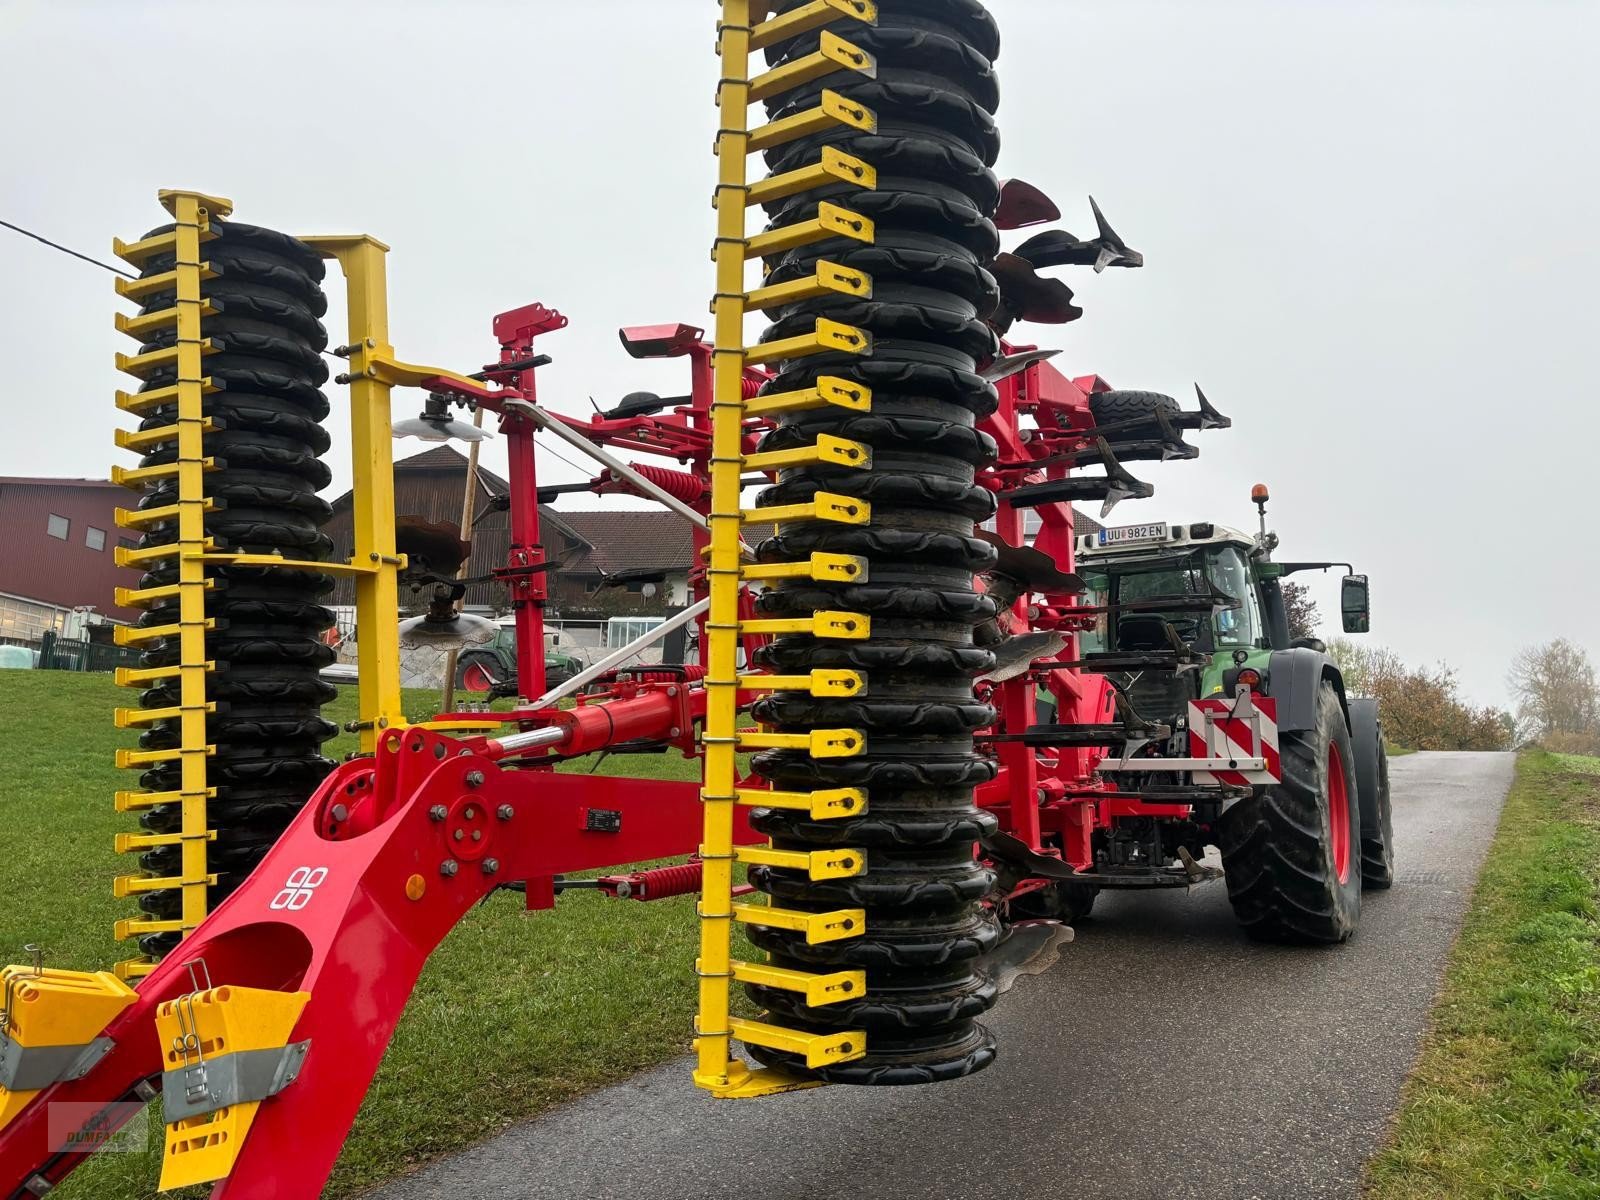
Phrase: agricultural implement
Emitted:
{"points": [[914, 834]]}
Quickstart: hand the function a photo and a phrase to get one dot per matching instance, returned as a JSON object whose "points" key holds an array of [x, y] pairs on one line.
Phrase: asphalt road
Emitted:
{"points": [[1164, 1056]]}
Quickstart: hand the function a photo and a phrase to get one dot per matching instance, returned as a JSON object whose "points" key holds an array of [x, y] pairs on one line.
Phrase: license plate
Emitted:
{"points": [[1133, 533]]}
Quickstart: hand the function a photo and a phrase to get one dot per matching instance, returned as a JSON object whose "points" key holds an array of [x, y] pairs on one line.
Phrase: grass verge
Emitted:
{"points": [[515, 1012], [1505, 1098]]}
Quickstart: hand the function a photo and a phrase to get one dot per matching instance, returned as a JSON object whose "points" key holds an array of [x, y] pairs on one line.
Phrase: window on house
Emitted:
{"points": [[59, 527], [94, 538]]}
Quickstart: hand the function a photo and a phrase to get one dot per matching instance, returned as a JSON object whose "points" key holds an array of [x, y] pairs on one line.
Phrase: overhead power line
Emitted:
{"points": [[67, 250]]}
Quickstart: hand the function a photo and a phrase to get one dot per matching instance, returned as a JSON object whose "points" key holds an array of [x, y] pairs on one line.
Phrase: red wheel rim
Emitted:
{"points": [[1338, 813], [475, 679]]}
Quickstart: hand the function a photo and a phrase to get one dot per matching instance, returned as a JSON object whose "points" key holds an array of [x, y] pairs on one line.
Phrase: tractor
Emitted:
{"points": [[1190, 619]]}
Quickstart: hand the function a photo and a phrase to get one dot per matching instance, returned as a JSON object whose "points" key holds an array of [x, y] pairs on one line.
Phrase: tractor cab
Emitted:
{"points": [[1196, 579], [1179, 609]]}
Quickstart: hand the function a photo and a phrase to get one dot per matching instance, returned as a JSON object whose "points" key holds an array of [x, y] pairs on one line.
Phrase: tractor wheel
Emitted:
{"points": [[1111, 407], [1292, 854], [1372, 782], [477, 673]]}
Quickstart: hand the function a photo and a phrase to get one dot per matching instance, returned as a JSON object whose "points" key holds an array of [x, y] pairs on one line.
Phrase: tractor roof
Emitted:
{"points": [[1157, 538]]}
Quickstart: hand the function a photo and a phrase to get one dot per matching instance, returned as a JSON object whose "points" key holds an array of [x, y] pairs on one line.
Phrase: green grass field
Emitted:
{"points": [[515, 1012], [1505, 1101]]}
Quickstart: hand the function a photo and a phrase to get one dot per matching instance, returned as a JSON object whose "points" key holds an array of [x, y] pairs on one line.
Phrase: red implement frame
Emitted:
{"points": [[380, 837]]}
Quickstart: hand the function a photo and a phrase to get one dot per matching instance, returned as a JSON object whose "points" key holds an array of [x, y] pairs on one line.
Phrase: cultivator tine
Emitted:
{"points": [[1210, 418], [1058, 248], [1115, 486], [1120, 485], [1004, 366], [1172, 443], [1114, 252]]}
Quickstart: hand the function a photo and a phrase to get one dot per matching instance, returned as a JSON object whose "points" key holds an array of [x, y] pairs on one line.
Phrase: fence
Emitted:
{"points": [[71, 654]]}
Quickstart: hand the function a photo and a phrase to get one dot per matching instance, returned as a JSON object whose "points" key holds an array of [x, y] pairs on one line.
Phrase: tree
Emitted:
{"points": [[1420, 706], [1301, 608], [1555, 689]]}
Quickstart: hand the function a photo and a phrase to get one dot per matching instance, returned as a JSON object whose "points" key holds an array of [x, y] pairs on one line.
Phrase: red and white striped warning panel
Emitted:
{"points": [[1239, 736]]}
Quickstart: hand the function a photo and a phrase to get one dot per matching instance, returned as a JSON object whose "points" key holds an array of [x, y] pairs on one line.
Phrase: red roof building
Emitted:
{"points": [[57, 554]]}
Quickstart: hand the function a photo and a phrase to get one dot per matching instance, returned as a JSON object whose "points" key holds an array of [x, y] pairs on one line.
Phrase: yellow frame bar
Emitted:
{"points": [[376, 564]]}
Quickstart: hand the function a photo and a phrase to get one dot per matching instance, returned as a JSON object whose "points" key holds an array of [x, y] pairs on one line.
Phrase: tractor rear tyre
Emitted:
{"points": [[1372, 782], [1292, 854], [477, 673]]}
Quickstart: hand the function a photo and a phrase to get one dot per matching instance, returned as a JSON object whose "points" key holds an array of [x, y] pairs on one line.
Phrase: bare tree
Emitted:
{"points": [[1555, 689], [1301, 609]]}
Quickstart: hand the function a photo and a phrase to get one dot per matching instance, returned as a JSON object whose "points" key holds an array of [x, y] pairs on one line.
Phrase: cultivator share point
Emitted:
{"points": [[963, 719]]}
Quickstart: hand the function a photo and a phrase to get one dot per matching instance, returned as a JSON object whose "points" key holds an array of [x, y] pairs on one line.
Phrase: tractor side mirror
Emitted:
{"points": [[1355, 604]]}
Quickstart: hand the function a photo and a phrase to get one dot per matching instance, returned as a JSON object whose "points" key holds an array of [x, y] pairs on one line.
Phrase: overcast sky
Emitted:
{"points": [[1370, 231]]}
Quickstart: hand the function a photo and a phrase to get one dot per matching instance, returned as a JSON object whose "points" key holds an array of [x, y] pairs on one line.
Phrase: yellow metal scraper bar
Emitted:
{"points": [[832, 55], [831, 221], [824, 506], [836, 568], [828, 337], [818, 864], [818, 1049], [832, 110], [818, 743], [817, 683], [824, 805], [808, 17], [818, 927], [828, 279], [822, 624], [830, 390], [835, 166], [828, 450], [817, 989]]}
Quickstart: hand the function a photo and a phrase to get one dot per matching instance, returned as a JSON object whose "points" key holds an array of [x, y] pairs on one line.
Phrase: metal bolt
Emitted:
{"points": [[342, 377], [459, 834], [674, 731], [341, 813], [504, 812], [491, 865], [474, 778], [672, 691], [449, 867], [470, 813], [438, 812]]}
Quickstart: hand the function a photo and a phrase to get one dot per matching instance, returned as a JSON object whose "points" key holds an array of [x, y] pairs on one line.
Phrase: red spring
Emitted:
{"points": [[680, 485], [660, 882], [752, 387]]}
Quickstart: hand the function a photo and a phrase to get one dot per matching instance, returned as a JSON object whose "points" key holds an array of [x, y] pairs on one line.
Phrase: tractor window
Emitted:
{"points": [[1221, 570], [1131, 582], [1229, 574]]}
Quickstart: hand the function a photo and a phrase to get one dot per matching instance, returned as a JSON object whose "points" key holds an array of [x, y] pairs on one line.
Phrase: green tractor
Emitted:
{"points": [[1196, 612], [491, 669]]}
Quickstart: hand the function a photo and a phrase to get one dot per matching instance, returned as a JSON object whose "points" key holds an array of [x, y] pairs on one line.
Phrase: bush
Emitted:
{"points": [[1420, 706], [1587, 744]]}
